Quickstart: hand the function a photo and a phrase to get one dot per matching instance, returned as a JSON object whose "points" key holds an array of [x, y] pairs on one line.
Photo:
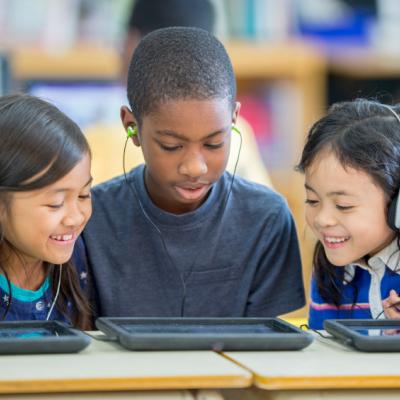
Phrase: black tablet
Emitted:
{"points": [[29, 337], [366, 334], [205, 333]]}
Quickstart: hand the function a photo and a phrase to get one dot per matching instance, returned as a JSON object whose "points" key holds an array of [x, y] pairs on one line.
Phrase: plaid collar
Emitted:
{"points": [[389, 257]]}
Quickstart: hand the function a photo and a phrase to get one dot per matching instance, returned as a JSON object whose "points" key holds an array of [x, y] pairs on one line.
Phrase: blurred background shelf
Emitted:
{"points": [[294, 59], [364, 63], [363, 72], [80, 62]]}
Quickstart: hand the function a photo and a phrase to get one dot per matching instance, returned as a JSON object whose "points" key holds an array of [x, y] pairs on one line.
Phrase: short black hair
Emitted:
{"points": [[175, 64], [149, 15]]}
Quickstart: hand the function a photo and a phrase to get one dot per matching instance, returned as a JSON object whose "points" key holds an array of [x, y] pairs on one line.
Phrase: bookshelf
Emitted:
{"points": [[363, 72], [81, 62], [297, 64], [365, 63]]}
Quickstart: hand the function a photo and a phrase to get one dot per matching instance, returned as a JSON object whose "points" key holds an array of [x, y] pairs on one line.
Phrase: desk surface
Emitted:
{"points": [[105, 366], [323, 365]]}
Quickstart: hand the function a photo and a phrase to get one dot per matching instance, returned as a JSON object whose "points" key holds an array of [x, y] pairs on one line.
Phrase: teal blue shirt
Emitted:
{"points": [[31, 304]]}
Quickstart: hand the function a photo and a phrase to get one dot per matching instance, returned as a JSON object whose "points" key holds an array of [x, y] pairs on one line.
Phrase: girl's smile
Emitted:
{"points": [[66, 239], [334, 242]]}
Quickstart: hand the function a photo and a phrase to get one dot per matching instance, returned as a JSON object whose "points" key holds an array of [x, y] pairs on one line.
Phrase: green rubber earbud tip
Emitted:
{"points": [[131, 131], [235, 129]]}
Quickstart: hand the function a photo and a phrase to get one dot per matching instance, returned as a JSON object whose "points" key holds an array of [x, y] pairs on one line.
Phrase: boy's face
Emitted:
{"points": [[185, 145]]}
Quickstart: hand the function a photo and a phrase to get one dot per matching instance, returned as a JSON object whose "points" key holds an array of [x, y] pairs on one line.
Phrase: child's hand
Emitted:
{"points": [[391, 305]]}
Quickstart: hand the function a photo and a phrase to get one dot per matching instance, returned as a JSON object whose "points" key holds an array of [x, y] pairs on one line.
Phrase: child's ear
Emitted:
{"points": [[236, 112], [130, 125]]}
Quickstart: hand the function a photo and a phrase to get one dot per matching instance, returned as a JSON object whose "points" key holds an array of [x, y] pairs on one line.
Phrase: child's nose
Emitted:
{"points": [[325, 218], [193, 165], [75, 216]]}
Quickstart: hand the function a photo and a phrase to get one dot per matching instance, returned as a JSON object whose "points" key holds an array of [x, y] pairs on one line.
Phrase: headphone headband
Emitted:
{"points": [[392, 111], [393, 217]]}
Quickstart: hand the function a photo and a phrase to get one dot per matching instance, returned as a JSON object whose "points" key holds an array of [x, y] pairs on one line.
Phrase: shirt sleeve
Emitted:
{"points": [[277, 287], [81, 262], [316, 312], [353, 302]]}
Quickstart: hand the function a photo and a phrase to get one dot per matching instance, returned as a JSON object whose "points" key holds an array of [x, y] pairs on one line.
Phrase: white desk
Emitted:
{"points": [[148, 395], [322, 370], [105, 366]]}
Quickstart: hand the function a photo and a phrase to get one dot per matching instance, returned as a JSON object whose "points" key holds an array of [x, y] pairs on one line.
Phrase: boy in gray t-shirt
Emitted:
{"points": [[178, 236]]}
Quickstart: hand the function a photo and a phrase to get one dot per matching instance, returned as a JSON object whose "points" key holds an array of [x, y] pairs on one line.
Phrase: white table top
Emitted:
{"points": [[322, 365], [107, 366]]}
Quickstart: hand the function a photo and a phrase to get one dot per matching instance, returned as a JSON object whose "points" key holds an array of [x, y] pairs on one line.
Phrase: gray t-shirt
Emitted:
{"points": [[234, 256]]}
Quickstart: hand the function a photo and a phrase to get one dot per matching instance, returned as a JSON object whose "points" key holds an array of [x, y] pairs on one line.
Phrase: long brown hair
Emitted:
{"points": [[37, 139]]}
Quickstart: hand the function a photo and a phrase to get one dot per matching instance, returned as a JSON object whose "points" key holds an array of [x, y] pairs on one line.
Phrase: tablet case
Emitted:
{"points": [[25, 337], [345, 331], [205, 333]]}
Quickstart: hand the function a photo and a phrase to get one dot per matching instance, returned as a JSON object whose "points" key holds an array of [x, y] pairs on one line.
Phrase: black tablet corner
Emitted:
{"points": [[36, 337], [382, 335]]}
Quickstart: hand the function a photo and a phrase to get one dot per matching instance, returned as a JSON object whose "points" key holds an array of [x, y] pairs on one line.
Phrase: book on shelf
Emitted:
{"points": [[274, 113]]}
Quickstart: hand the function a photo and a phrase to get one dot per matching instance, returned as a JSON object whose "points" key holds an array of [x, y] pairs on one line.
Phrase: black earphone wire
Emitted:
{"points": [[136, 195], [57, 291], [385, 308], [331, 338], [190, 270]]}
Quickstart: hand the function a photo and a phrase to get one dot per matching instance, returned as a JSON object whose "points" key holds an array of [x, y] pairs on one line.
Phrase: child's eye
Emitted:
{"points": [[55, 206], [343, 208], [311, 202], [169, 148], [214, 145], [85, 196]]}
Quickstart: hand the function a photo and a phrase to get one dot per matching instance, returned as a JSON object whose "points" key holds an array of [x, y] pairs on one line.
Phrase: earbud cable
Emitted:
{"points": [[57, 293], [190, 269]]}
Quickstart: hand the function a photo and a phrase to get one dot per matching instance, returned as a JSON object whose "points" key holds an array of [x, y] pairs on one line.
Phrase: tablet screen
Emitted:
{"points": [[377, 331], [28, 333], [196, 328]]}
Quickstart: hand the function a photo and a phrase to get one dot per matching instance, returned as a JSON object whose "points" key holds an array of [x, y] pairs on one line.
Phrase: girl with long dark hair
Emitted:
{"points": [[44, 205], [351, 162]]}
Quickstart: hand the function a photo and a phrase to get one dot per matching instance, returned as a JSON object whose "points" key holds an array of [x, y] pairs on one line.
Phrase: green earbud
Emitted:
{"points": [[131, 131], [236, 129]]}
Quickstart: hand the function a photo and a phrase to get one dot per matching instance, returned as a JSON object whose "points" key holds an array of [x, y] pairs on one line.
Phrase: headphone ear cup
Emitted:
{"points": [[393, 218]]}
